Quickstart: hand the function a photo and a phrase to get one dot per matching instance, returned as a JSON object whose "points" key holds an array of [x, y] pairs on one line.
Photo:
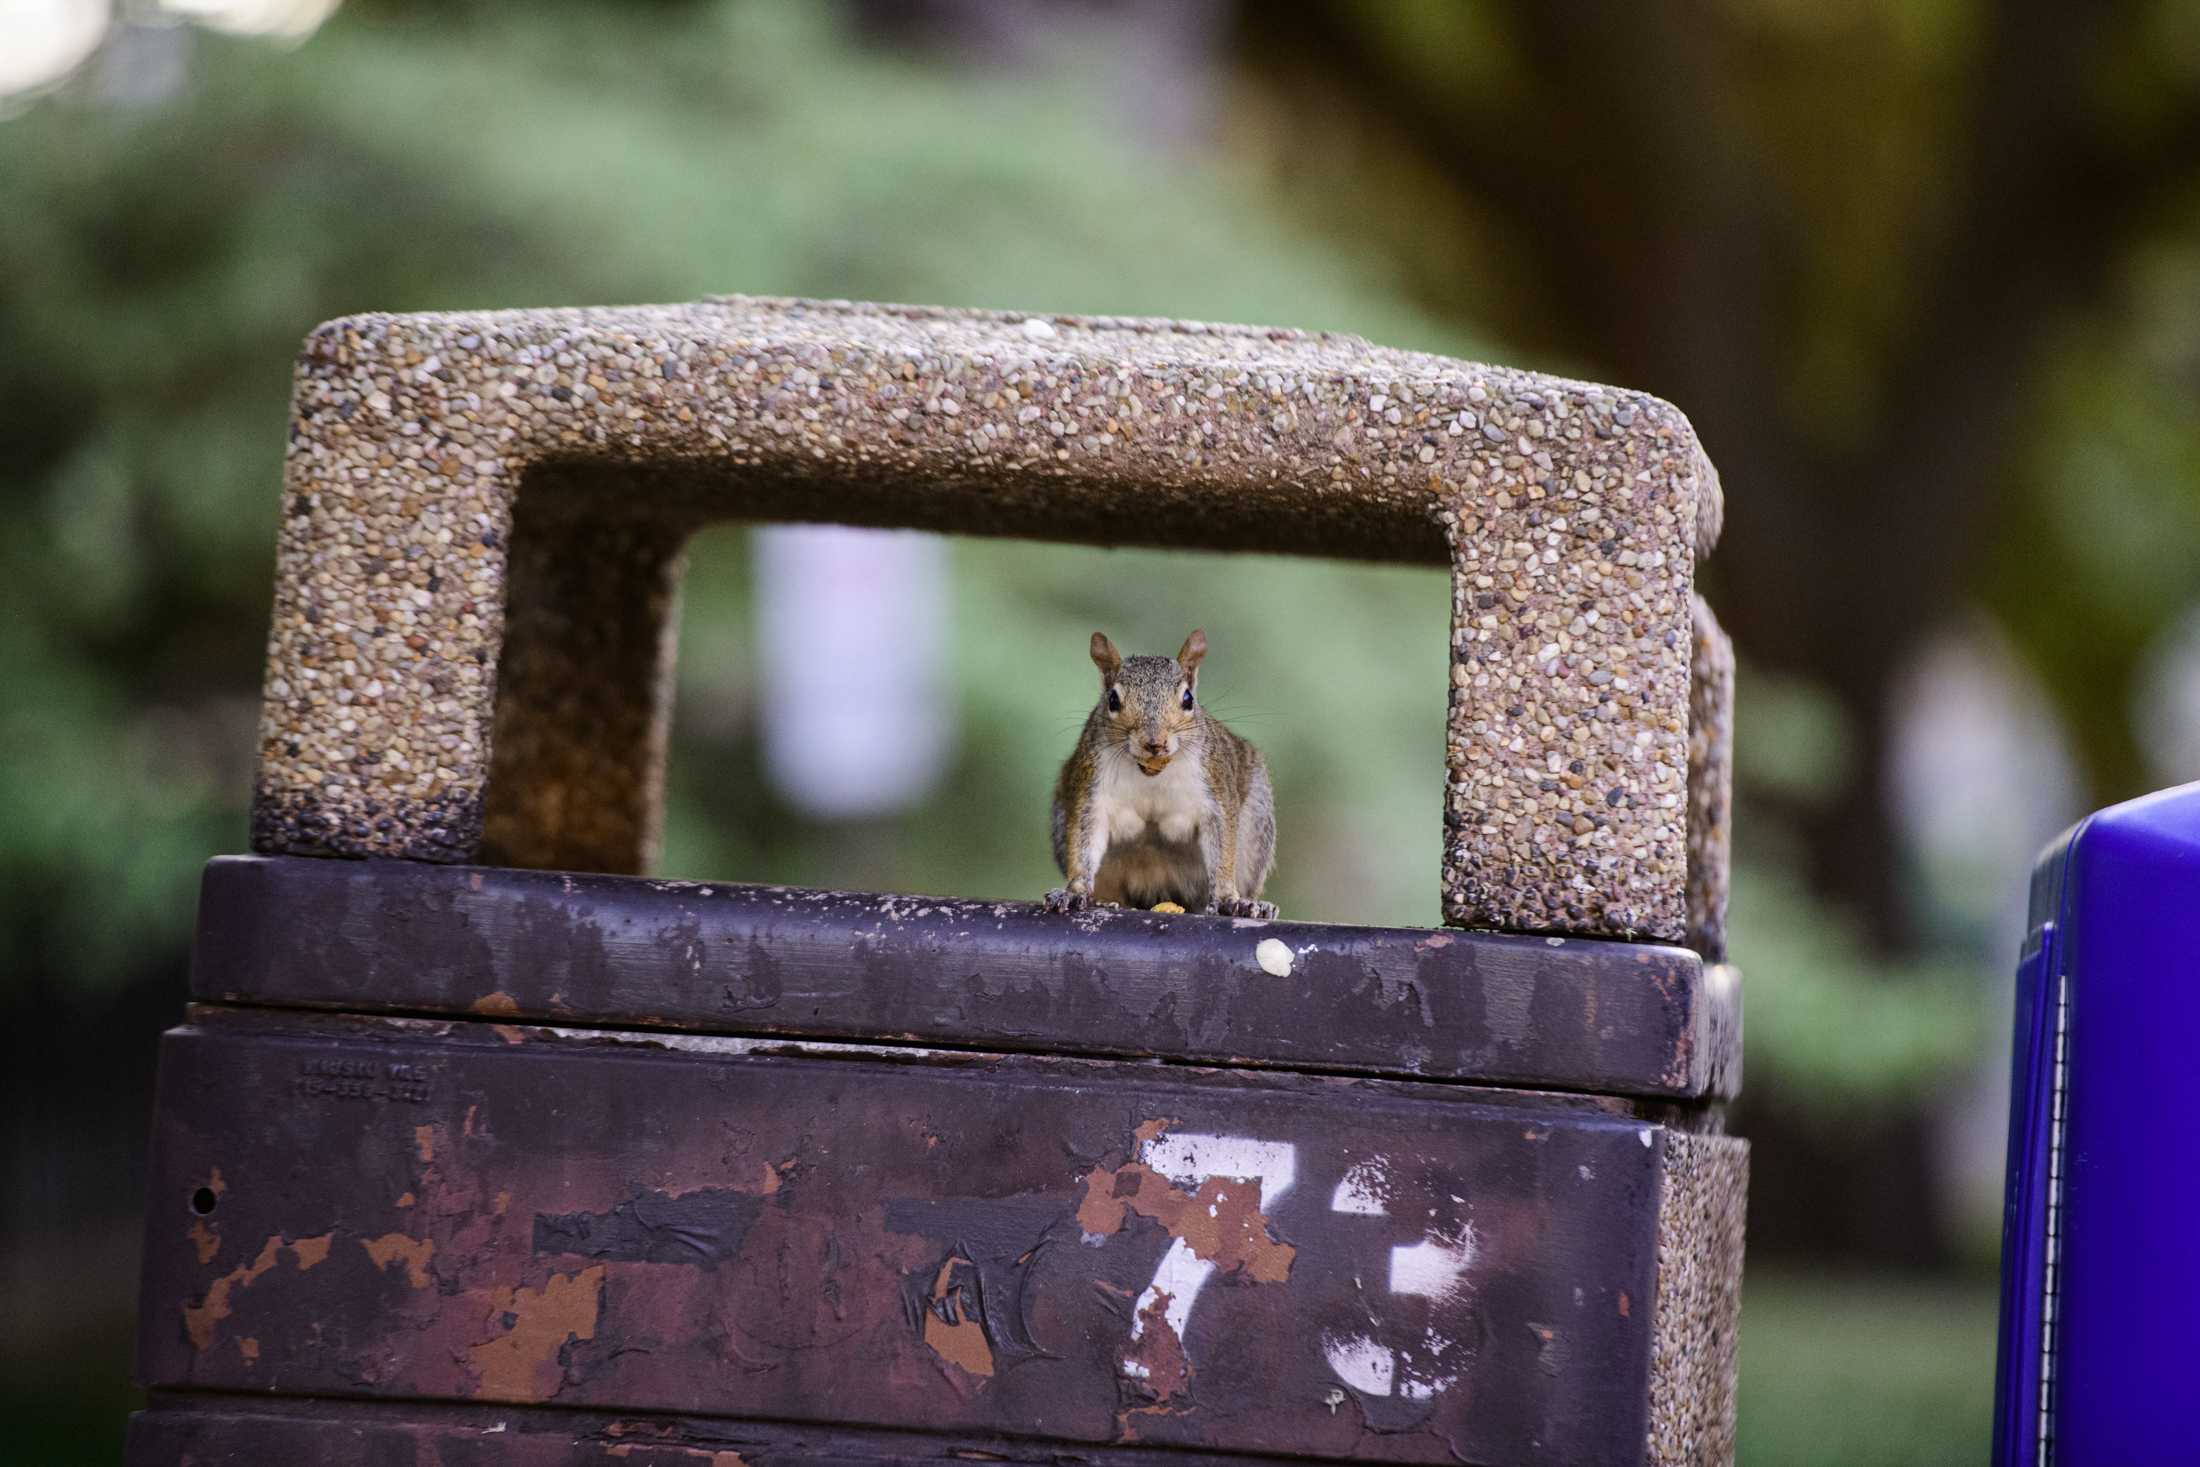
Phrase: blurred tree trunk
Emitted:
{"points": [[1641, 193], [1610, 163]]}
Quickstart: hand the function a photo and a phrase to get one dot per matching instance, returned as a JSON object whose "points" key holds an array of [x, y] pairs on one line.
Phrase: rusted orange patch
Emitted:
{"points": [[424, 1142], [955, 1336], [204, 1238], [249, 1348], [521, 1364], [717, 1458], [499, 1002], [407, 1200], [391, 1247], [1158, 1353], [1221, 1222], [200, 1319], [307, 1252]]}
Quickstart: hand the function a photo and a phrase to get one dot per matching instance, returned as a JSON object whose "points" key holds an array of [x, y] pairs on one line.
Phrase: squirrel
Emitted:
{"points": [[1159, 802]]}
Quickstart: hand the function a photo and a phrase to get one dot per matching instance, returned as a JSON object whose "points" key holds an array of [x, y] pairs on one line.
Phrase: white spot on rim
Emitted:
{"points": [[1274, 957]]}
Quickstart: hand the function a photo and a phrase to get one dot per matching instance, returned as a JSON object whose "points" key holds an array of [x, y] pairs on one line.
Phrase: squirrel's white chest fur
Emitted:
{"points": [[1134, 805]]}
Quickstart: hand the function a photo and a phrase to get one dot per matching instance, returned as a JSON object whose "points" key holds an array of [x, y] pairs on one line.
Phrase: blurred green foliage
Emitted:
{"points": [[1859, 1370], [2109, 500], [1840, 1031], [175, 256]]}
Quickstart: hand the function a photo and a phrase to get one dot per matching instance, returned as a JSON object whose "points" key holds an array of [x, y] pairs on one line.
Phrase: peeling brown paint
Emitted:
{"points": [[521, 1364], [509, 1033], [407, 1200], [1160, 1352], [392, 1247], [206, 1238], [214, 1182], [1626, 1305], [955, 1335], [200, 1319], [1221, 1222], [310, 1251], [821, 1314], [715, 1457], [424, 1142], [249, 1349], [499, 1004]]}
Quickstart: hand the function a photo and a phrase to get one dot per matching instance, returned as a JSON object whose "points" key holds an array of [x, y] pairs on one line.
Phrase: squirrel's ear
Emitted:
{"points": [[1104, 655], [1194, 648]]}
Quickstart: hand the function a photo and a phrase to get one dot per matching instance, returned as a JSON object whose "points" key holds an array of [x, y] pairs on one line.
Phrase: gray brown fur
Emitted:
{"points": [[1159, 801]]}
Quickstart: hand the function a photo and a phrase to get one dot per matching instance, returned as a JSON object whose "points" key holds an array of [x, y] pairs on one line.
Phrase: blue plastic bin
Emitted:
{"points": [[2100, 1272]]}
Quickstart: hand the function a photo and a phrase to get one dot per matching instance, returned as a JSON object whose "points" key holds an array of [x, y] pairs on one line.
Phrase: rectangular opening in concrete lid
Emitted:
{"points": [[484, 513], [888, 711]]}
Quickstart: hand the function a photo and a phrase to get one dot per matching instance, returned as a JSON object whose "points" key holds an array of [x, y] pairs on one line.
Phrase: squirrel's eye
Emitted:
{"points": [[1115, 701], [1187, 695]]}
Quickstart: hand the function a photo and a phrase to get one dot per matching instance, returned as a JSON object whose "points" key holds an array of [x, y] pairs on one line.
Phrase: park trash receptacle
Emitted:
{"points": [[489, 1148]]}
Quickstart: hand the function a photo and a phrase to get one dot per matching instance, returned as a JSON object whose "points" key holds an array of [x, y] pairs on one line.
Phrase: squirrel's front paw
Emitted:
{"points": [[1066, 899], [1238, 907]]}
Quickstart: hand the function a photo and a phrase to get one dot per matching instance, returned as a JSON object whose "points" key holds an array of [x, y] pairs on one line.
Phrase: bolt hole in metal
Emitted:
{"points": [[203, 1201]]}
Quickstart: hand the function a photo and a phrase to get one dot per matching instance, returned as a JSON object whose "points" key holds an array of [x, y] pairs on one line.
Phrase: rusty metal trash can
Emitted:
{"points": [[462, 1160]]}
